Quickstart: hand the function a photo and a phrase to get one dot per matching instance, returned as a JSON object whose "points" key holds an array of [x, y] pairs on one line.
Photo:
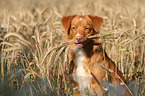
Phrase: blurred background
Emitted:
{"points": [[33, 57]]}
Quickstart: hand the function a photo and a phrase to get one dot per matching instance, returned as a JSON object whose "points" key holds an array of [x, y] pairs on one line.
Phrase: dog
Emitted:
{"points": [[88, 61]]}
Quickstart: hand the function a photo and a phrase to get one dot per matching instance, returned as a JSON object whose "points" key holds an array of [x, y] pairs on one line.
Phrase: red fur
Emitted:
{"points": [[90, 54]]}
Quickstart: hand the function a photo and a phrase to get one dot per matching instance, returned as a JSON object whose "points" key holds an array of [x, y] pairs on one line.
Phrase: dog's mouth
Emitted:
{"points": [[79, 43], [82, 42]]}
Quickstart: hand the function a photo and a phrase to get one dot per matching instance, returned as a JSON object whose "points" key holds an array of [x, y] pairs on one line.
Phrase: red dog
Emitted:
{"points": [[86, 56]]}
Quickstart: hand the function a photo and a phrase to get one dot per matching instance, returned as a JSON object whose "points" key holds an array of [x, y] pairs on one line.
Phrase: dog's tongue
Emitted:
{"points": [[79, 44]]}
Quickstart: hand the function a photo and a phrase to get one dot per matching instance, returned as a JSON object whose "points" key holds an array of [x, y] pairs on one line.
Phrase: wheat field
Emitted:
{"points": [[34, 51]]}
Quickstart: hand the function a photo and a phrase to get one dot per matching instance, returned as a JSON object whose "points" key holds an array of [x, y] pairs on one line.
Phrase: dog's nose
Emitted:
{"points": [[78, 38]]}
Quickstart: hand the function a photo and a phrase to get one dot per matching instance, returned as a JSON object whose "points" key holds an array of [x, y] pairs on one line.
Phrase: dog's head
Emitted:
{"points": [[80, 27]]}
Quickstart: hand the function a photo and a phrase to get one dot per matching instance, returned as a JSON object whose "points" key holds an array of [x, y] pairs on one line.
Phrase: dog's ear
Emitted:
{"points": [[97, 22], [66, 23]]}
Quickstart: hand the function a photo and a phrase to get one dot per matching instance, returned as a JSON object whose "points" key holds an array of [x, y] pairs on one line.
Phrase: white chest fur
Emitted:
{"points": [[80, 75]]}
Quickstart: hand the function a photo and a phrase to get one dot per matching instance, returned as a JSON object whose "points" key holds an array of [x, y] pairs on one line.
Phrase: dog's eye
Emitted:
{"points": [[73, 28], [87, 28]]}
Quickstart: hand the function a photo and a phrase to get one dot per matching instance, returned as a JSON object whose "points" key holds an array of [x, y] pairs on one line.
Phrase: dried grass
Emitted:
{"points": [[34, 52]]}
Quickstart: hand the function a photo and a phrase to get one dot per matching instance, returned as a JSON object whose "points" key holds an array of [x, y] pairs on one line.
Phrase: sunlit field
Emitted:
{"points": [[34, 51]]}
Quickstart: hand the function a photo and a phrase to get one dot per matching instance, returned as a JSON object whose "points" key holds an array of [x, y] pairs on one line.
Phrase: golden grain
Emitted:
{"points": [[33, 41]]}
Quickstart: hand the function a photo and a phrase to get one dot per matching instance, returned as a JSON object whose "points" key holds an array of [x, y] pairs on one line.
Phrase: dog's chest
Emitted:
{"points": [[81, 74]]}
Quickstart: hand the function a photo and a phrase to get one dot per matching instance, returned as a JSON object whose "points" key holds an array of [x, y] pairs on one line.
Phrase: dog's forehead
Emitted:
{"points": [[81, 19]]}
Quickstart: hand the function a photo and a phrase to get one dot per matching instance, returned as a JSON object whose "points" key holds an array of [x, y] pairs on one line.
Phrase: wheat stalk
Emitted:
{"points": [[111, 71]]}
